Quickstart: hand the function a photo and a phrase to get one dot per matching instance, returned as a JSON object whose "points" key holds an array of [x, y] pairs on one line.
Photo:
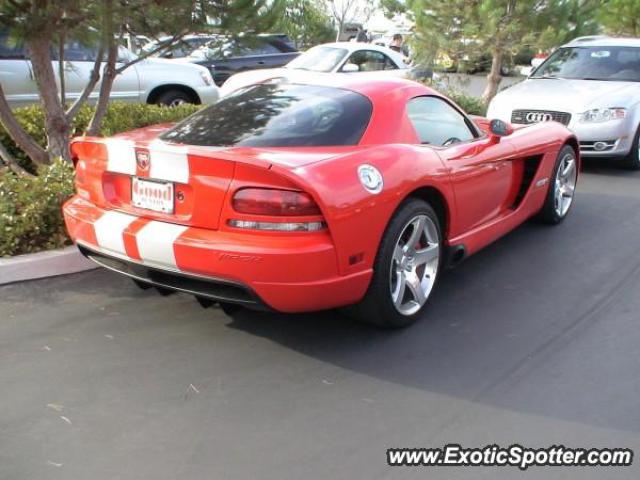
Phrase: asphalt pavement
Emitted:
{"points": [[535, 340]]}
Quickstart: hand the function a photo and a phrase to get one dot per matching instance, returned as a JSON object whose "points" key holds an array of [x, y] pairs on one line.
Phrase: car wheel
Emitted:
{"points": [[173, 98], [562, 187], [632, 160], [406, 268]]}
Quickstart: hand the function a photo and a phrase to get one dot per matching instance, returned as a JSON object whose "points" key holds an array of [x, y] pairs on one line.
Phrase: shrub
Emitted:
{"points": [[30, 209], [470, 104], [120, 117]]}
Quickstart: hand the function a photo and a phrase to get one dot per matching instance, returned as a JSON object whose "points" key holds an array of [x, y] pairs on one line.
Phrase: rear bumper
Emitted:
{"points": [[288, 273]]}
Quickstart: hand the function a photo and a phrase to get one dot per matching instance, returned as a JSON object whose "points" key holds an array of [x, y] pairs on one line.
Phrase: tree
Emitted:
{"points": [[620, 17], [347, 11], [45, 25], [307, 22], [497, 27]]}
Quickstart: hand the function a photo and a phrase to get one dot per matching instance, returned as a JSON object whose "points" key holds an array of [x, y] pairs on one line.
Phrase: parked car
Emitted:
{"points": [[148, 81], [591, 85], [177, 49], [341, 57], [133, 43], [314, 195], [226, 56]]}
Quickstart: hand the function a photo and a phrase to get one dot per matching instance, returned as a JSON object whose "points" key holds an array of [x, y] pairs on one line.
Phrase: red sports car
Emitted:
{"points": [[313, 195]]}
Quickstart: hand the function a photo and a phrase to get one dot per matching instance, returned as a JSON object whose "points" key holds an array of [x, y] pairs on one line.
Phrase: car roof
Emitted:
{"points": [[355, 46], [603, 41], [367, 84]]}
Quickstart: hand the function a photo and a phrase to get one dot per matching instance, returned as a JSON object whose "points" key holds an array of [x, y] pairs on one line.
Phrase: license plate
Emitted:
{"points": [[152, 195]]}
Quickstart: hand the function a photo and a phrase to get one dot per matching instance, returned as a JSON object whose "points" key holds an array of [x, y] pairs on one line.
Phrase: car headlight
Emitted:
{"points": [[206, 78], [599, 115]]}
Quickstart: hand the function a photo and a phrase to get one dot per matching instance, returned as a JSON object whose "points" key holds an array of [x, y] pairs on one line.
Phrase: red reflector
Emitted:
{"points": [[264, 201]]}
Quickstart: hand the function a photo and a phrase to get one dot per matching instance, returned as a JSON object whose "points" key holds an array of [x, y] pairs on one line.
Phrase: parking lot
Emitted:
{"points": [[535, 340]]}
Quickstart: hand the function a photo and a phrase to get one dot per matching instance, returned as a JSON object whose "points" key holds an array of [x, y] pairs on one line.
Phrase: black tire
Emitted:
{"points": [[172, 98], [548, 214], [377, 307], [632, 160]]}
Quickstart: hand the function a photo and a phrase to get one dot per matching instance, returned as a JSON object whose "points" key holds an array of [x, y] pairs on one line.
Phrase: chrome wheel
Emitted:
{"points": [[565, 184], [414, 265]]}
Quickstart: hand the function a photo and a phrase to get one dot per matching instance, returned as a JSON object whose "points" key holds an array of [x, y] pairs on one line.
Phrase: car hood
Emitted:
{"points": [[574, 96]]}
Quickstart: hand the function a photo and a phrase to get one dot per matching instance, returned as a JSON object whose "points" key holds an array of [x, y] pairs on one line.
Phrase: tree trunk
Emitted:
{"points": [[57, 126], [63, 95], [109, 72], [11, 163], [495, 77], [35, 152], [108, 76]]}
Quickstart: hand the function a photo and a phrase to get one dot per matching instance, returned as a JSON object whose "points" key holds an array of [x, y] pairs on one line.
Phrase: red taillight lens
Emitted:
{"points": [[265, 201]]}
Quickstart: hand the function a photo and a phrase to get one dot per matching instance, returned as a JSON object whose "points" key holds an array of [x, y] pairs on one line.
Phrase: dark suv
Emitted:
{"points": [[226, 56]]}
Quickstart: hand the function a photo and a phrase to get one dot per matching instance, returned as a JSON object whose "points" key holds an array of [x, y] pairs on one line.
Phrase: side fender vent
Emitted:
{"points": [[531, 165]]}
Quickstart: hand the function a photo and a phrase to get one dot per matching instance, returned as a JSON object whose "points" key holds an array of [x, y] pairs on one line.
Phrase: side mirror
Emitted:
{"points": [[498, 128], [350, 68]]}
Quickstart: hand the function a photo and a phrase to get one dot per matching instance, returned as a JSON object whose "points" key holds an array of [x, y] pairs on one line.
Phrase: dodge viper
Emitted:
{"points": [[306, 196]]}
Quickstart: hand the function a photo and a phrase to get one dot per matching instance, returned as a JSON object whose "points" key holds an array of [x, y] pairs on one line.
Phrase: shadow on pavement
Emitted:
{"points": [[519, 325]]}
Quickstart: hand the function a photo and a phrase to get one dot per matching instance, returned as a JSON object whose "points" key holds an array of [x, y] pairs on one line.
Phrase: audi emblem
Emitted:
{"points": [[535, 117]]}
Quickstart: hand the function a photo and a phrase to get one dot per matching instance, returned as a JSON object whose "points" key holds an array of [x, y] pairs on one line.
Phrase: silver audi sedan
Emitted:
{"points": [[592, 85]]}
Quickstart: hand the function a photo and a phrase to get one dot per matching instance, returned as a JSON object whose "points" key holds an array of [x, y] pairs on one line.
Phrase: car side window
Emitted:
{"points": [[437, 122], [369, 60], [10, 48], [75, 51], [258, 48], [389, 64]]}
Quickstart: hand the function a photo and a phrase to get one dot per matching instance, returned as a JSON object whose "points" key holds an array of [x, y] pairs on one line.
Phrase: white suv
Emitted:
{"points": [[149, 81]]}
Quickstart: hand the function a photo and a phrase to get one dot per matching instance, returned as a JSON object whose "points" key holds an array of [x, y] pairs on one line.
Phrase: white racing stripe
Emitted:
{"points": [[168, 162], [109, 229], [155, 243], [121, 156]]}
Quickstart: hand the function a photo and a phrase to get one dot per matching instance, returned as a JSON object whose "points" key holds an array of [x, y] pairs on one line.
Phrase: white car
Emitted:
{"points": [[340, 57], [591, 85], [151, 80]]}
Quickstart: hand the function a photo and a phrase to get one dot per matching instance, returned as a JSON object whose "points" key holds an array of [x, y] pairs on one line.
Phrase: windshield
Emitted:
{"points": [[278, 115], [318, 59], [621, 64]]}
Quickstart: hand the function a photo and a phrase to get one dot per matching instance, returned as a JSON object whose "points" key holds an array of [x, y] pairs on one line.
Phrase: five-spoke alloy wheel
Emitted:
{"points": [[562, 187], [565, 184], [414, 265], [406, 267]]}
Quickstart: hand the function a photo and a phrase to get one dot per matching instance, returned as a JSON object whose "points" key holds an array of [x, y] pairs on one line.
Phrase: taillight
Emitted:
{"points": [[80, 178], [266, 201]]}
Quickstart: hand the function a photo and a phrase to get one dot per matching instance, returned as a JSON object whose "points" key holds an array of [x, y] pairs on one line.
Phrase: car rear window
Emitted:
{"points": [[278, 115]]}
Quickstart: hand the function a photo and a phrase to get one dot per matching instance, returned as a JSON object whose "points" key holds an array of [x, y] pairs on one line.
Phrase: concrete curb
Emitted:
{"points": [[43, 264]]}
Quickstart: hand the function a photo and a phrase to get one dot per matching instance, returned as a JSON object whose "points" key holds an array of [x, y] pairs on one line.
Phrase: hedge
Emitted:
{"points": [[30, 213], [30, 207], [470, 104], [120, 117]]}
